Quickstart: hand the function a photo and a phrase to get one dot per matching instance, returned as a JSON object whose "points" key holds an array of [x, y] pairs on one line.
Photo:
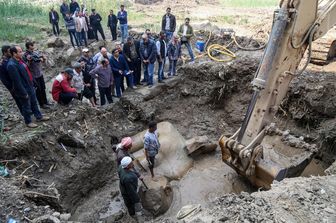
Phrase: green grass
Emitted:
{"points": [[250, 3], [21, 20]]}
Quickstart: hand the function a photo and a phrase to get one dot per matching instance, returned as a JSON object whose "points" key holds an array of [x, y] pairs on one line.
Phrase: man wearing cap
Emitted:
{"points": [[95, 20], [122, 17], [103, 73], [81, 87], [151, 145], [61, 91], [128, 186], [23, 87], [88, 64]]}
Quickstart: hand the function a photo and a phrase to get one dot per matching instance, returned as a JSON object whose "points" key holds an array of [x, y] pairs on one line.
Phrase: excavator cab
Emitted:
{"points": [[259, 150]]}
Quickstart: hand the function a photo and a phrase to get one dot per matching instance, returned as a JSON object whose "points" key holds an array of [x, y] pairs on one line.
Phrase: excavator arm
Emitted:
{"points": [[296, 24]]}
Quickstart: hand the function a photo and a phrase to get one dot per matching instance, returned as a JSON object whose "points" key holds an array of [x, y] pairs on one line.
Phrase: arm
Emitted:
{"points": [[163, 23], [180, 32], [174, 23], [94, 71], [131, 189], [50, 18], [153, 54], [113, 67], [191, 33], [126, 52], [66, 87], [125, 65], [108, 21], [158, 46], [16, 82]]}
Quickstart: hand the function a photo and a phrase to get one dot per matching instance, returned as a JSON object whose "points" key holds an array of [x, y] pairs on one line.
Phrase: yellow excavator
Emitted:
{"points": [[259, 150]]}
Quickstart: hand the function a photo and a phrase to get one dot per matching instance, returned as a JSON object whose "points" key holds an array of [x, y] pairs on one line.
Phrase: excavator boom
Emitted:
{"points": [[259, 150]]}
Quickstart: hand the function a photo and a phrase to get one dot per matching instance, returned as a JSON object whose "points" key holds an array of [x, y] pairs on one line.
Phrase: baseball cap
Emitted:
{"points": [[69, 71], [85, 50]]}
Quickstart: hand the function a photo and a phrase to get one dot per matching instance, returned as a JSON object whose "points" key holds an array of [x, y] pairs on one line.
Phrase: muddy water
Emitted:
{"points": [[207, 179]]}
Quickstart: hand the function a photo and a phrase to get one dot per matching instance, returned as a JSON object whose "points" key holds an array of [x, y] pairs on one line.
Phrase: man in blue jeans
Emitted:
{"points": [[168, 24], [148, 54], [122, 17], [23, 87], [186, 32], [161, 47]]}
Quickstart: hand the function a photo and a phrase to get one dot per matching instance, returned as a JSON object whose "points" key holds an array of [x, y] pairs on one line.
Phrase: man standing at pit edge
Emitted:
{"points": [[152, 145], [122, 17], [186, 32], [129, 186], [168, 24]]}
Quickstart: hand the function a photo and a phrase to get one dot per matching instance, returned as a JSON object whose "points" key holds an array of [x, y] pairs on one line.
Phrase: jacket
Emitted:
{"points": [[64, 9], [190, 31], [128, 185], [35, 64], [148, 51], [105, 77], [174, 50], [161, 48], [119, 65], [4, 75], [127, 50], [55, 15], [73, 7], [22, 85], [89, 65], [61, 84], [172, 23], [95, 19], [112, 21], [70, 23], [122, 17], [78, 24]]}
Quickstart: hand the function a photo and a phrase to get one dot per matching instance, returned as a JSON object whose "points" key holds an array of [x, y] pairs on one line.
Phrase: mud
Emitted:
{"points": [[207, 98]]}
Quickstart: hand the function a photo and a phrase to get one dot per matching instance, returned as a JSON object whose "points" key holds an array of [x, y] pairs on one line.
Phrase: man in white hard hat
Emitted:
{"points": [[129, 186]]}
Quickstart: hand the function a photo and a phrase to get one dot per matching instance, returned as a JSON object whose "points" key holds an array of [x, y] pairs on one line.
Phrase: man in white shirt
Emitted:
{"points": [[161, 47]]}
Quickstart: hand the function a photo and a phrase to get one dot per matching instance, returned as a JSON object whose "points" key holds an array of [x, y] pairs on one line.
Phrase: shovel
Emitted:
{"points": [[143, 182]]}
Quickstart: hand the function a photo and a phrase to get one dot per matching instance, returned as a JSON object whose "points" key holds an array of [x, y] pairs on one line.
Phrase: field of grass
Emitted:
{"points": [[21, 20], [250, 3]]}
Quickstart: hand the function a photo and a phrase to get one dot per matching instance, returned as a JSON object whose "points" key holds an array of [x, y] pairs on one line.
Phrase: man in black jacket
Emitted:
{"points": [[128, 186], [64, 8], [74, 6], [53, 19], [4, 75], [112, 22], [131, 52], [23, 87], [148, 53], [88, 64], [168, 24], [95, 20]]}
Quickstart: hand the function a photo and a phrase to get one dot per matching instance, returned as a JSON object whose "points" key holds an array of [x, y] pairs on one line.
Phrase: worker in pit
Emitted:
{"points": [[128, 185], [152, 145], [121, 149]]}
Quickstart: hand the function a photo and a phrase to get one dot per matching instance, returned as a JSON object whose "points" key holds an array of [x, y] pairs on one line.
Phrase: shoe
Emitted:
{"points": [[143, 81], [161, 81], [140, 84], [164, 78], [44, 118], [134, 87], [150, 86], [32, 125], [192, 62], [175, 75]]}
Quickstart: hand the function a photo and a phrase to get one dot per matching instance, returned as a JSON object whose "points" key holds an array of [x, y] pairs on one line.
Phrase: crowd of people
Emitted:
{"points": [[131, 60]]}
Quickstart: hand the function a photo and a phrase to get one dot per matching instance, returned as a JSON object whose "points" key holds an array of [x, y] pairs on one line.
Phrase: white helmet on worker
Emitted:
{"points": [[125, 162], [126, 143]]}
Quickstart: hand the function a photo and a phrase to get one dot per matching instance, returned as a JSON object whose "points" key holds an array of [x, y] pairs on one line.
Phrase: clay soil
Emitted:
{"points": [[207, 98]]}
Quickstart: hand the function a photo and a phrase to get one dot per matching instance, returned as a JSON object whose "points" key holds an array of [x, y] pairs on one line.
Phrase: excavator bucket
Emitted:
{"points": [[275, 158]]}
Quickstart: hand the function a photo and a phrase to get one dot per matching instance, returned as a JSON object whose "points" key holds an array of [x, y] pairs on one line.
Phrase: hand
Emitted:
{"points": [[26, 96], [88, 85], [96, 75], [128, 59], [120, 72], [141, 177]]}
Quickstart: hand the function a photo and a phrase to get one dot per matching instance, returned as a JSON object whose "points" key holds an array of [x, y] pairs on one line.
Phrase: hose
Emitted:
{"points": [[222, 50]]}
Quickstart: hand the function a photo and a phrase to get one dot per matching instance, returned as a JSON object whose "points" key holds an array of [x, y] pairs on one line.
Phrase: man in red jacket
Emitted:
{"points": [[61, 91]]}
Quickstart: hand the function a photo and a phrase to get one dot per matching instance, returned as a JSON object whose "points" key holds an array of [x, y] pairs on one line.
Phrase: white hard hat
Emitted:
{"points": [[125, 162]]}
